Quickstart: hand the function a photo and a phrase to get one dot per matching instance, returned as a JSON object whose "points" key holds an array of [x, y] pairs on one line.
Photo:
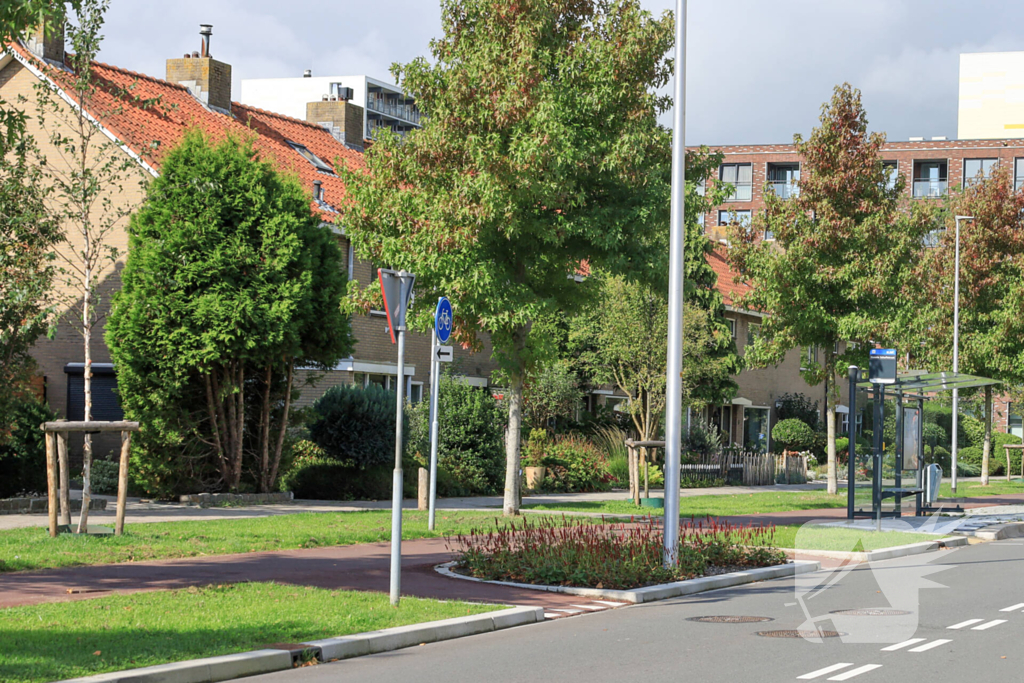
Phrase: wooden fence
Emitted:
{"points": [[752, 469], [758, 470]]}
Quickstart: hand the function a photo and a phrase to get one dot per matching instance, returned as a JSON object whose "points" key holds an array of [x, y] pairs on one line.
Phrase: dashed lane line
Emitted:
{"points": [[1013, 608], [905, 643], [989, 624], [962, 624], [821, 672], [929, 646], [847, 675]]}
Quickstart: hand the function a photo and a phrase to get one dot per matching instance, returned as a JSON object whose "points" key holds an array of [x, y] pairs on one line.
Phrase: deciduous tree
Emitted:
{"points": [[540, 151], [843, 263]]}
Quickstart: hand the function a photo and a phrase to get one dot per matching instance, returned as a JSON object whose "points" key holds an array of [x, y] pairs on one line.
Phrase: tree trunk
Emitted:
{"points": [[830, 425], [987, 448], [83, 519], [515, 423], [237, 474], [284, 428], [216, 424], [265, 430]]}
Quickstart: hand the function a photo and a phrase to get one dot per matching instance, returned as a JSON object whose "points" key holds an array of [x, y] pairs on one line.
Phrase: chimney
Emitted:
{"points": [[342, 119], [308, 73], [47, 41], [207, 79]]}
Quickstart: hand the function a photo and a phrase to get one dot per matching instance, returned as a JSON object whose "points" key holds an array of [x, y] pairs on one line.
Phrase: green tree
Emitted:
{"points": [[622, 339], [991, 289], [552, 391], [843, 263], [541, 151], [230, 285], [28, 234]]}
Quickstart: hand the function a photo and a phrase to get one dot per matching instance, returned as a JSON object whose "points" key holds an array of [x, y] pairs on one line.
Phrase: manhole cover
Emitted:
{"points": [[729, 619], [799, 634], [872, 612]]}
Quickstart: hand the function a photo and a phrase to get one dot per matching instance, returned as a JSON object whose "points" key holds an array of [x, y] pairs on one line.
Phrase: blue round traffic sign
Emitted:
{"points": [[443, 319]]}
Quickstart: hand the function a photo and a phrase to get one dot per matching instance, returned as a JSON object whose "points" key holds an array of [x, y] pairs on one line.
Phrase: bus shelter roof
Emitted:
{"points": [[922, 382]]}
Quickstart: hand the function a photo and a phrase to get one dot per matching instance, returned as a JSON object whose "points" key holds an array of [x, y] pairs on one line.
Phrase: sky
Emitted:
{"points": [[758, 71]]}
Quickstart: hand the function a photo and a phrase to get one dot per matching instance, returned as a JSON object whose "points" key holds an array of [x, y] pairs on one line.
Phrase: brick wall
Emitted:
{"points": [[212, 78], [345, 119]]}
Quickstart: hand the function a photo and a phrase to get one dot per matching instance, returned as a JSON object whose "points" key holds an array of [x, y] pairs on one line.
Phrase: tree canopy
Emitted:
{"points": [[231, 283], [540, 154]]}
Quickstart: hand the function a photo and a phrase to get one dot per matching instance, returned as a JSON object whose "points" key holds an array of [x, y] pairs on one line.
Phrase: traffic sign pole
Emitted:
{"points": [[435, 372]]}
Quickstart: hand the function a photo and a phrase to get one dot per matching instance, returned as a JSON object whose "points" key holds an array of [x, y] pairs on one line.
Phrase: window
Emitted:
{"points": [[753, 332], [1014, 421], [934, 238], [975, 169], [732, 327], [844, 425], [105, 403], [416, 392], [892, 173], [319, 163], [1018, 174], [741, 218], [702, 187], [769, 236], [740, 176], [783, 178], [700, 222], [930, 178], [810, 358]]}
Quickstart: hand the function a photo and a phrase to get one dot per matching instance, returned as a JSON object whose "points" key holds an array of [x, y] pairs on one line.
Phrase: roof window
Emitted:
{"points": [[319, 163]]}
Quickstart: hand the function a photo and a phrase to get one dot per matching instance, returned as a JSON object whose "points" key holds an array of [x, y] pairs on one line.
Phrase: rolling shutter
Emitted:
{"points": [[105, 403]]}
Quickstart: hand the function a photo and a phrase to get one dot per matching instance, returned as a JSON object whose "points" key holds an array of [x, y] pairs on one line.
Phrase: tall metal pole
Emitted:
{"points": [[956, 344], [851, 463], [396, 484], [434, 376], [677, 239]]}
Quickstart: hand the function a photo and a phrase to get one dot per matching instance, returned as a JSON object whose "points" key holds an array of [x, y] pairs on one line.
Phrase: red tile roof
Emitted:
{"points": [[727, 286], [150, 131]]}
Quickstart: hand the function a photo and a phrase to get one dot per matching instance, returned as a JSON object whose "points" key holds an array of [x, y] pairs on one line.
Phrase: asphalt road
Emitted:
{"points": [[978, 589]]}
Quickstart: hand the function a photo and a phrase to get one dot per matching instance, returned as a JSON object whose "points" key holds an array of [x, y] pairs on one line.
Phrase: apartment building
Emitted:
{"points": [[384, 105], [990, 103], [931, 169]]}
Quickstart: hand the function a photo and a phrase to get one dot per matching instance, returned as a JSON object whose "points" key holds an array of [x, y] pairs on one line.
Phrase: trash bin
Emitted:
{"points": [[932, 481]]}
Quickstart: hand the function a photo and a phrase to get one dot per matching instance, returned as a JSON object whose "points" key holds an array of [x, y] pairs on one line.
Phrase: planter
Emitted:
{"points": [[535, 477], [658, 503]]}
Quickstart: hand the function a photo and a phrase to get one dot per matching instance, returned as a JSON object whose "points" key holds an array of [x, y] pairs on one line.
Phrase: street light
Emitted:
{"points": [[956, 341], [677, 239]]}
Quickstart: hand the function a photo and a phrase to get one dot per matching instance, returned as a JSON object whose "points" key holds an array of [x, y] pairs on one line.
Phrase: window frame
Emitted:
{"points": [[737, 185], [971, 179], [307, 154]]}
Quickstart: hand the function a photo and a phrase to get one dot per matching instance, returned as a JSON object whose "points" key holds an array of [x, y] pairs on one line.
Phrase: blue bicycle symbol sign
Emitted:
{"points": [[443, 319]]}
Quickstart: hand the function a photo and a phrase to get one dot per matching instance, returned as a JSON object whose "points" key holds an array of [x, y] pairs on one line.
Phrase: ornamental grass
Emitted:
{"points": [[574, 552]]}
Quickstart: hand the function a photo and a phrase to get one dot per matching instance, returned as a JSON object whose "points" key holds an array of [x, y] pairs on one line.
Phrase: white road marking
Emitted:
{"points": [[822, 672], [966, 623], [847, 675], [989, 624], [929, 646], [589, 607], [607, 602], [567, 611], [1013, 608], [551, 615], [905, 643]]}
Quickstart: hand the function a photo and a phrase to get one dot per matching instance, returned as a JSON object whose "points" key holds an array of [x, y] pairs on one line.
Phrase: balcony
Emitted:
{"points": [[409, 112], [784, 189], [925, 188]]}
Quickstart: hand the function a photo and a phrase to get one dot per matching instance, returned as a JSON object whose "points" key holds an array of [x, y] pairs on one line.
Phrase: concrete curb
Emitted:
{"points": [[997, 532], [885, 553], [662, 591], [227, 667]]}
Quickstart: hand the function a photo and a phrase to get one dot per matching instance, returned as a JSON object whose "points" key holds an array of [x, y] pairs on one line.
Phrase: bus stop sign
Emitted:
{"points": [[882, 366]]}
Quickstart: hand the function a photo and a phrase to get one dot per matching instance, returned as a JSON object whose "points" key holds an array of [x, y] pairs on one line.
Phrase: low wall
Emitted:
{"points": [[21, 506], [208, 499]]}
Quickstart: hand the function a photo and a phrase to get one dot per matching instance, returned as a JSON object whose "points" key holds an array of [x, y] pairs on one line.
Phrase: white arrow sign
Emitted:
{"points": [[444, 354]]}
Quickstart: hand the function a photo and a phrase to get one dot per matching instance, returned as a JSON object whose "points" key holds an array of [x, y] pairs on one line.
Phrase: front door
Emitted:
{"points": [[756, 429]]}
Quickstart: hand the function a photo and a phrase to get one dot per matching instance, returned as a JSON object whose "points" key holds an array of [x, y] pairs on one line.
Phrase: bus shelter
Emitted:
{"points": [[909, 390]]}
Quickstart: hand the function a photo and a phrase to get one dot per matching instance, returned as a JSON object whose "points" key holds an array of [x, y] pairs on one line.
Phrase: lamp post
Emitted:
{"points": [[677, 239], [956, 343]]}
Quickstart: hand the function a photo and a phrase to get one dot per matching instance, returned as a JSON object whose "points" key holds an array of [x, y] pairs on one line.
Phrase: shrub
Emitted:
{"points": [[536, 444], [321, 478], [575, 465], [800, 407], [355, 425], [572, 552], [103, 477], [23, 456], [703, 438], [972, 455], [793, 434]]}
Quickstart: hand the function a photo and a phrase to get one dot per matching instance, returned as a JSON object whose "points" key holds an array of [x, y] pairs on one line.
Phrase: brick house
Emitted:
{"points": [[197, 93]]}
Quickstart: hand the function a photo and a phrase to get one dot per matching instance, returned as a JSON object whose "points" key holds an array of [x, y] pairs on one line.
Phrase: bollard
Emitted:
{"points": [[424, 488]]}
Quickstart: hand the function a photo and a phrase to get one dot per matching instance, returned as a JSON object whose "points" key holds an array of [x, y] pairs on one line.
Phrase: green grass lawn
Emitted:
{"points": [[32, 548], [834, 538], [701, 506], [57, 641], [997, 486]]}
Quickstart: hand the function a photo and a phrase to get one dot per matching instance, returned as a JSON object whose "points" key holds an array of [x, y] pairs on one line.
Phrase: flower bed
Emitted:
{"points": [[573, 552]]}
